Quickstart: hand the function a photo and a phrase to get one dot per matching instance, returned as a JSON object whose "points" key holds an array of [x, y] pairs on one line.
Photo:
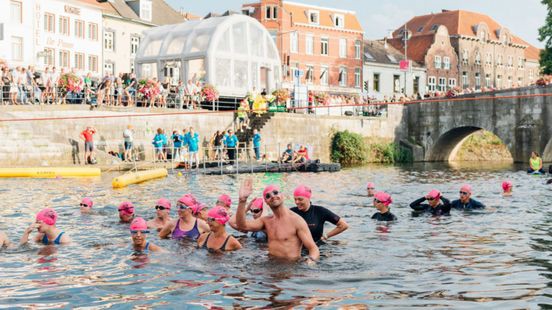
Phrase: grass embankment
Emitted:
{"points": [[483, 146]]}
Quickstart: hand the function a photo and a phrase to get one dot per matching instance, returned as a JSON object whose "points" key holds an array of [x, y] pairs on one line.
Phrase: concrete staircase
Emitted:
{"points": [[255, 122]]}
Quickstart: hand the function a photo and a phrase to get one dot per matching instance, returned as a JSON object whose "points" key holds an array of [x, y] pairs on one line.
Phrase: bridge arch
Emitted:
{"points": [[449, 143]]}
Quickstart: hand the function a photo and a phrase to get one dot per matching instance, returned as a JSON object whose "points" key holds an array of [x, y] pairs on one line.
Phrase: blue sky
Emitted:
{"points": [[378, 17]]}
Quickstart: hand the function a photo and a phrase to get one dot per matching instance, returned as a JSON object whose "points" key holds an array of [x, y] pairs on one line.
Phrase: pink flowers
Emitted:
{"points": [[209, 93]]}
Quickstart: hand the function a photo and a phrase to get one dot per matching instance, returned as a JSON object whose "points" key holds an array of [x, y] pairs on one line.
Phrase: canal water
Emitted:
{"points": [[499, 258]]}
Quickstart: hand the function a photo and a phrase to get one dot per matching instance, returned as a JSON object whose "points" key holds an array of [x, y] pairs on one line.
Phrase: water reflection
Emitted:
{"points": [[495, 258]]}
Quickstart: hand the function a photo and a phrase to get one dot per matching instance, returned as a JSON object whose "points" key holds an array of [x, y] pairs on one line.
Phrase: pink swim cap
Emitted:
{"points": [[126, 207], [87, 201], [435, 194], [188, 200], [270, 188], [47, 216], [302, 191], [507, 185], [197, 208], [164, 202], [466, 188], [385, 198], [370, 185], [257, 204], [219, 214], [226, 200], [138, 224]]}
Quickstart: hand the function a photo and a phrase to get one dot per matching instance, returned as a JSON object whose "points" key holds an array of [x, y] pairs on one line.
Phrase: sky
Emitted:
{"points": [[379, 17]]}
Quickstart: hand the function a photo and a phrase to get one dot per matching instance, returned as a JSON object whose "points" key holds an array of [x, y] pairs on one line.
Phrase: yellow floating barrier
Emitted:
{"points": [[138, 177], [49, 172]]}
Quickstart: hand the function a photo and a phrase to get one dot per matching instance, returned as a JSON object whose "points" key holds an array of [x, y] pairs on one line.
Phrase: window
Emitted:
{"points": [[275, 12], [510, 62], [478, 59], [465, 82], [434, 27], [309, 44], [324, 75], [79, 29], [49, 22], [108, 41], [358, 47], [520, 81], [339, 21], [314, 17], [446, 63], [64, 59], [396, 83], [357, 78], [498, 81], [79, 61], [531, 75], [452, 83], [17, 48], [465, 57], [483, 35], [49, 55], [134, 43], [477, 80], [64, 25], [509, 82], [293, 38], [271, 12], [145, 10], [16, 12], [437, 62], [416, 84], [442, 84], [421, 29], [342, 48], [521, 63], [431, 81], [309, 75], [109, 67], [489, 60], [342, 76], [487, 80], [376, 86], [499, 61], [93, 31], [93, 63], [324, 46]]}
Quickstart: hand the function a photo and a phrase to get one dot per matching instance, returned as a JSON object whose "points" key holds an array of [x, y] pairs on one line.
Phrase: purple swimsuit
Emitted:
{"points": [[179, 234]]}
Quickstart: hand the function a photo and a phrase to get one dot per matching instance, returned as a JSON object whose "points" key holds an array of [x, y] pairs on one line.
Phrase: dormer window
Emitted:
{"points": [[314, 17], [339, 21], [145, 10], [434, 27]]}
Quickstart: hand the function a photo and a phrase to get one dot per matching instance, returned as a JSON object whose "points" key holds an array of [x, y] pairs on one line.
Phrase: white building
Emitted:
{"points": [[383, 77], [17, 30]]}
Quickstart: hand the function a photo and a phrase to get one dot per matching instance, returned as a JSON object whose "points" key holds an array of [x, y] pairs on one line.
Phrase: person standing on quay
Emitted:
{"points": [[257, 144], [192, 140], [231, 142], [88, 136]]}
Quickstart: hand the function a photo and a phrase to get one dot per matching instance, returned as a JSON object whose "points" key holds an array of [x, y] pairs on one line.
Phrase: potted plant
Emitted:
{"points": [[281, 96], [209, 93]]}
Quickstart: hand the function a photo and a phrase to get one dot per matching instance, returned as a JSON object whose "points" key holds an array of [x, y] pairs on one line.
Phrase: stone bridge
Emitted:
{"points": [[522, 118]]}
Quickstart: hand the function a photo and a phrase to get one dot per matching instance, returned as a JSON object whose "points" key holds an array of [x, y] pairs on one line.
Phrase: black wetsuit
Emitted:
{"points": [[387, 216], [315, 218], [441, 209], [472, 204]]}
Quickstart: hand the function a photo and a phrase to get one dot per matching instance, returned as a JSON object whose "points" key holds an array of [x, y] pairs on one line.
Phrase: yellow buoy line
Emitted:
{"points": [[49, 172], [138, 177]]}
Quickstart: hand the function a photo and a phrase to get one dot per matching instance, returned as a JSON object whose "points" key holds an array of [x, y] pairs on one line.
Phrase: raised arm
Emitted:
{"points": [[25, 237], [417, 204], [446, 204], [243, 224]]}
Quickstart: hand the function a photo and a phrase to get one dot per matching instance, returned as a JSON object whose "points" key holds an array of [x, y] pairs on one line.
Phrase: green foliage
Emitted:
{"points": [[545, 35], [546, 60], [390, 153], [348, 148]]}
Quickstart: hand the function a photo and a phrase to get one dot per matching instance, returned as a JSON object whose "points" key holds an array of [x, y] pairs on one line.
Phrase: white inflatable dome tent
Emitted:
{"points": [[234, 53]]}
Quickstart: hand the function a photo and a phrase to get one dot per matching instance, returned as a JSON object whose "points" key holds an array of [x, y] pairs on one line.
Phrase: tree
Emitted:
{"points": [[545, 35]]}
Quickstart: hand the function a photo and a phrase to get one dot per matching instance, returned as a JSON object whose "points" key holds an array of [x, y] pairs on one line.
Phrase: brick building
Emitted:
{"points": [[324, 43], [489, 54]]}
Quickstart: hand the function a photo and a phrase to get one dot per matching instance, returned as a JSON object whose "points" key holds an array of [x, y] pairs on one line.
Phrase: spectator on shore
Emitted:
{"points": [[231, 143], [128, 136], [287, 155], [242, 115], [192, 140], [88, 136], [159, 143], [302, 155], [177, 145], [257, 144]]}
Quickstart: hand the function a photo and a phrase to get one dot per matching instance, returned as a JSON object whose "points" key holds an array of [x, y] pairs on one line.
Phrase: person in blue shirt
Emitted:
{"points": [[159, 142], [257, 144], [177, 145], [192, 140], [231, 142], [466, 202]]}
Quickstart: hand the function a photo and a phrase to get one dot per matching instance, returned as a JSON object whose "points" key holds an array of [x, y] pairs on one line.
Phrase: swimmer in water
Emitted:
{"points": [[381, 202], [162, 214], [138, 232], [507, 187], [287, 232], [199, 211], [48, 233], [4, 241], [370, 189], [218, 240], [226, 202], [256, 209], [433, 205], [126, 212], [186, 225], [316, 216], [466, 202], [86, 205]]}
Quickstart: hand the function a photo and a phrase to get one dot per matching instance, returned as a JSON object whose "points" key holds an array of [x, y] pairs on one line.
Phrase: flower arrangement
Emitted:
{"points": [[209, 93], [146, 89], [282, 95], [69, 82], [322, 98]]}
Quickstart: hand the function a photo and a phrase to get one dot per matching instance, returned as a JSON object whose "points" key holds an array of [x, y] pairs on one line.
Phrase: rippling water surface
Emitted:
{"points": [[498, 258]]}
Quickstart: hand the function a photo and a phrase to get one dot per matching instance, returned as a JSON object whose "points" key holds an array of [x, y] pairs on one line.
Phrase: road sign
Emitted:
{"points": [[299, 73]]}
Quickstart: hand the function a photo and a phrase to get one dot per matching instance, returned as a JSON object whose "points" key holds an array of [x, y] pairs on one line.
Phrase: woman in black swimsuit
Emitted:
{"points": [[218, 240]]}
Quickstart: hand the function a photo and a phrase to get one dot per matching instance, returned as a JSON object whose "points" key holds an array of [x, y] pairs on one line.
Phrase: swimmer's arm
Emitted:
{"points": [[253, 225], [233, 245], [201, 239], [25, 238], [167, 229], [417, 204], [65, 239], [203, 227], [446, 204], [305, 236], [156, 248], [340, 227]]}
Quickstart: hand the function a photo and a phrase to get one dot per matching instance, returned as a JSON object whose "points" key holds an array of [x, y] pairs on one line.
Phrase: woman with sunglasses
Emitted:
{"points": [[381, 202], [162, 214], [86, 205], [186, 226], [126, 212], [138, 232], [433, 205], [466, 202], [218, 240]]}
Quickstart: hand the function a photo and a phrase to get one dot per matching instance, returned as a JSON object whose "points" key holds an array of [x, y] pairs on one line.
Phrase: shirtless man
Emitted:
{"points": [[287, 232], [162, 214]]}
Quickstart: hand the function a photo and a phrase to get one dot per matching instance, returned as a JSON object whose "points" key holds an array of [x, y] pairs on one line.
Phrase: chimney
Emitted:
{"points": [[385, 43]]}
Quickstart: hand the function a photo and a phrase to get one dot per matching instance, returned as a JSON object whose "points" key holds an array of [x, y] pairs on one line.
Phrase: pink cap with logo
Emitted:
{"points": [[257, 204], [506, 185], [87, 201], [138, 224], [385, 198], [197, 208], [188, 200], [302, 191], [126, 207], [47, 216], [226, 200], [219, 214], [435, 194], [164, 202]]}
